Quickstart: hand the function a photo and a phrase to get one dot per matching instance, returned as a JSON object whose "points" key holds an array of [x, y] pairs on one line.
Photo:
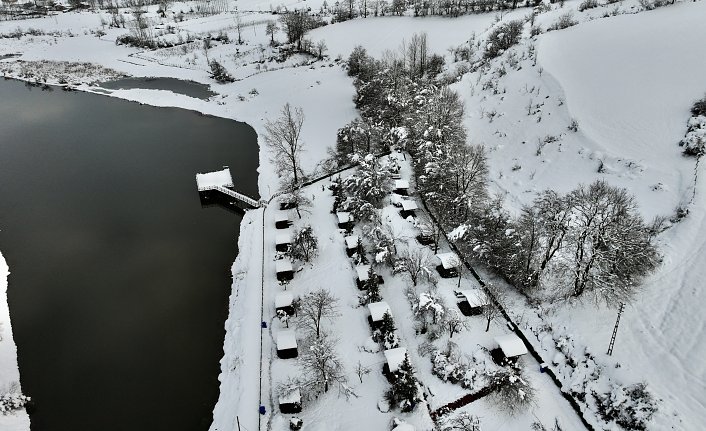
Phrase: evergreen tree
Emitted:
{"points": [[405, 388]]}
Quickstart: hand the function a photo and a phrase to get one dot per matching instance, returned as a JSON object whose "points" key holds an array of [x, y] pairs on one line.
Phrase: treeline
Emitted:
{"points": [[588, 243]]}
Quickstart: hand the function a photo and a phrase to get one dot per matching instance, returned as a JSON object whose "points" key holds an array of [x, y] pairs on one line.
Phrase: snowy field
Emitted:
{"points": [[627, 80]]}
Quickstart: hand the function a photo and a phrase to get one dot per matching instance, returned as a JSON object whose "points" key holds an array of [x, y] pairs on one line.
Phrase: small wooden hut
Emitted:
{"points": [[283, 240], [285, 271], [287, 345], [449, 264], [291, 402], [472, 301], [284, 301], [376, 311], [510, 348]]}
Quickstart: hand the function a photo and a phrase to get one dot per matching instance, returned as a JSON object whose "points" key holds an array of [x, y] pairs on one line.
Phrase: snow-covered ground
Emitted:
{"points": [[627, 80]]}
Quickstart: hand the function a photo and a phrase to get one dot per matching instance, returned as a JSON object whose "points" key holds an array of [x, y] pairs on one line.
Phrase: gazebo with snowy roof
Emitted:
{"points": [[351, 244], [472, 301], [290, 401], [510, 348], [287, 345], [449, 264], [377, 310], [401, 187], [345, 221], [393, 360], [408, 208], [284, 269], [282, 220], [284, 301], [283, 240]]}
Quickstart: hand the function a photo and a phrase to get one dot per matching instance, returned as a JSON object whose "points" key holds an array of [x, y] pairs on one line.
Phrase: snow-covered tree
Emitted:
{"points": [[314, 308], [321, 365], [415, 264], [370, 183], [454, 323], [405, 391], [631, 407], [304, 244], [512, 391], [429, 308]]}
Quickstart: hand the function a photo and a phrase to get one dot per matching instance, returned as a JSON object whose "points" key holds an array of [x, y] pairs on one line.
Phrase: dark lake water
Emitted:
{"points": [[187, 88], [119, 279]]}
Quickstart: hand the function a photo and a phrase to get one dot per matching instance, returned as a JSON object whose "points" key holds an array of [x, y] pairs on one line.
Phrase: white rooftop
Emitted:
{"points": [[409, 205], [449, 260], [286, 340], [291, 397], [362, 271], [283, 237], [343, 217], [401, 184], [212, 179], [395, 357], [281, 216], [283, 265], [378, 309], [283, 299], [511, 345], [396, 199], [403, 427], [352, 241], [475, 297]]}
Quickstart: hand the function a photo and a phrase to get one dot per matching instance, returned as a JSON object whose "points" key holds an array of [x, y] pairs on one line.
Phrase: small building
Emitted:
{"points": [[377, 310], [291, 402], [287, 345], [284, 301], [408, 208], [426, 235], [282, 220], [401, 187], [285, 271], [396, 200], [345, 221], [362, 272], [510, 348], [283, 240], [393, 360], [351, 244], [449, 264], [472, 301]]}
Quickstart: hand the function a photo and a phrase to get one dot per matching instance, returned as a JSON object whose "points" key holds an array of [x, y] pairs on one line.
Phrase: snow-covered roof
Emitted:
{"points": [[281, 216], [401, 184], [286, 340], [343, 217], [511, 345], [396, 199], [283, 265], [395, 357], [352, 241], [449, 260], [378, 309], [292, 397], [283, 299], [362, 271], [213, 179], [284, 237], [475, 297], [403, 427], [409, 205]]}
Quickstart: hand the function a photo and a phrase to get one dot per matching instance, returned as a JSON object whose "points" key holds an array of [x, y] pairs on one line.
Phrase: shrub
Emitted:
{"points": [[588, 4], [565, 21], [503, 37], [219, 73], [631, 407], [699, 108]]}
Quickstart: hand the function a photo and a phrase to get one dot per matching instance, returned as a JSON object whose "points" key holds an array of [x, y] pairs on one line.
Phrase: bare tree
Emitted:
{"points": [[463, 421], [315, 307], [283, 137], [304, 244], [271, 29], [492, 310], [454, 323], [361, 370], [321, 365], [238, 26], [415, 264], [321, 48]]}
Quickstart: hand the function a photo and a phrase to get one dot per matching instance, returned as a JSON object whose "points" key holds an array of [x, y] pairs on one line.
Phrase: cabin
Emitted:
{"points": [[283, 240], [351, 245], [472, 301], [393, 360], [345, 221], [408, 209], [449, 264], [291, 402], [287, 345], [362, 272], [401, 187], [377, 310], [396, 200], [510, 348], [426, 235], [285, 271], [284, 301], [282, 220]]}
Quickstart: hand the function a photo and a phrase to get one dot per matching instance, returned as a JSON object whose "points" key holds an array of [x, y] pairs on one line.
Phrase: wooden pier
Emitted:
{"points": [[222, 182]]}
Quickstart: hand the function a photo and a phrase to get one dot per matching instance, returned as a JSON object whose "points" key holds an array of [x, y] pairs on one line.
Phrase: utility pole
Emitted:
{"points": [[621, 308]]}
